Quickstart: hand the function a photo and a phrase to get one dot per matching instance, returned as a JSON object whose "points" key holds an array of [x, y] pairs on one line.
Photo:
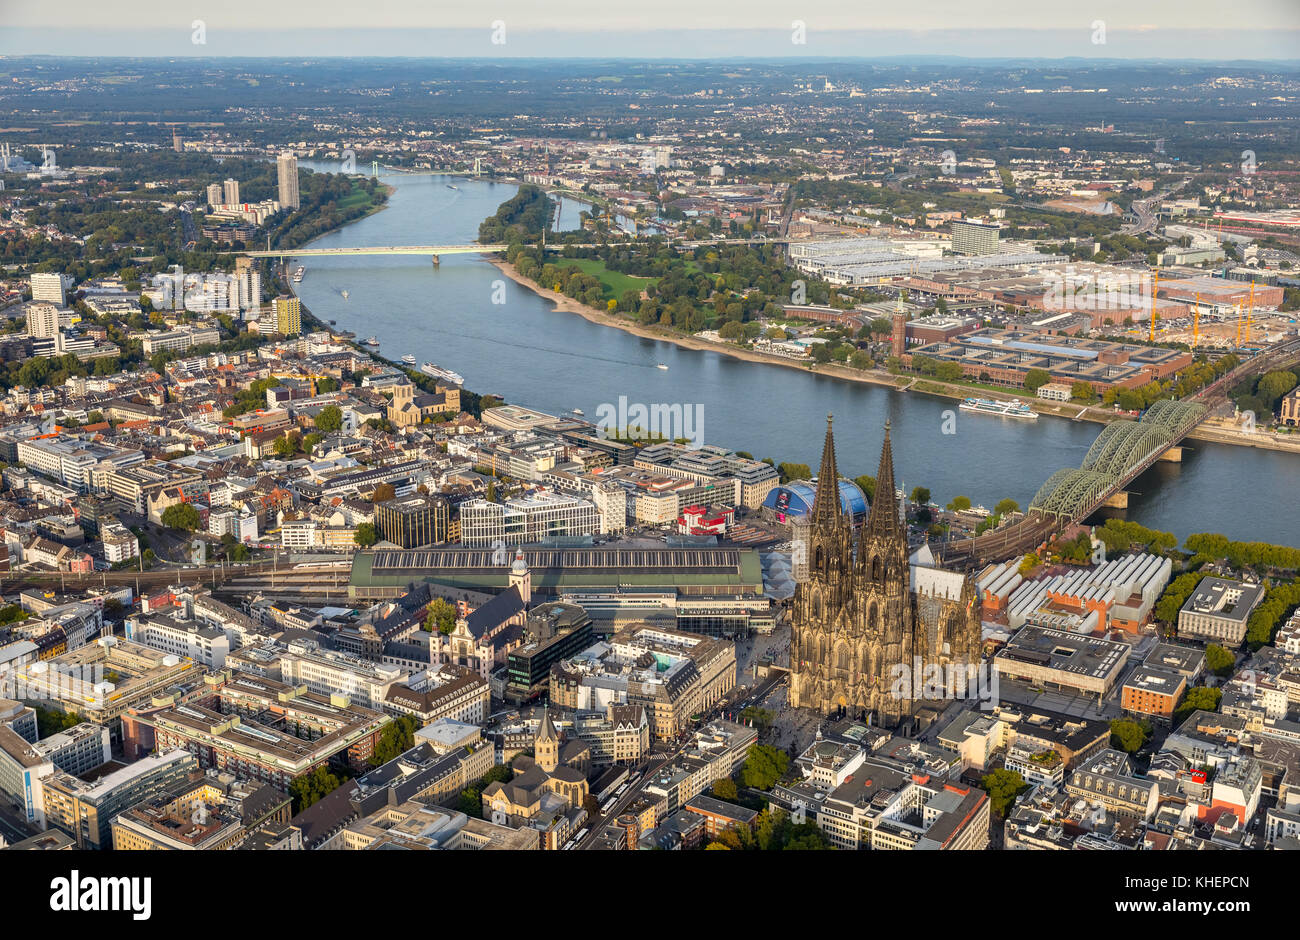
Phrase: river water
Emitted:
{"points": [[504, 339]]}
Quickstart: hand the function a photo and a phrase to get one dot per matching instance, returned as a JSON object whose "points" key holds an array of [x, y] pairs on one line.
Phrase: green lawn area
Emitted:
{"points": [[358, 197], [612, 283]]}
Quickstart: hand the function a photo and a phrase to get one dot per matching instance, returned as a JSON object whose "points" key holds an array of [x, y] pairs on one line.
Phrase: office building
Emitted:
{"points": [[1289, 409], [974, 238], [208, 812], [101, 680], [551, 632], [1108, 778], [286, 168], [85, 810], [1152, 693], [1218, 611], [50, 288], [449, 691], [413, 521], [257, 728], [527, 519]]}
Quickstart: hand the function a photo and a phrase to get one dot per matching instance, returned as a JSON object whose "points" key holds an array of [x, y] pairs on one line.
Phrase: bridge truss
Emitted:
{"points": [[1121, 451]]}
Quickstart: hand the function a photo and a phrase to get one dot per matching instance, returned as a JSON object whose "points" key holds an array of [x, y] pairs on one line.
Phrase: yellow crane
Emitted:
{"points": [[1250, 311]]}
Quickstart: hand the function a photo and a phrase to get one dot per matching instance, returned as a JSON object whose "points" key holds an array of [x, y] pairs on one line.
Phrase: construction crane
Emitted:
{"points": [[1250, 312]]}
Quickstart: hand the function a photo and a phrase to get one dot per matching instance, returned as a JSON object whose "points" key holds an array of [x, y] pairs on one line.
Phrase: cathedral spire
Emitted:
{"points": [[883, 518], [826, 504]]}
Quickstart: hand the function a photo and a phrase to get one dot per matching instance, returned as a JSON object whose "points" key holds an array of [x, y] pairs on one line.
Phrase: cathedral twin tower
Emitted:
{"points": [[867, 620]]}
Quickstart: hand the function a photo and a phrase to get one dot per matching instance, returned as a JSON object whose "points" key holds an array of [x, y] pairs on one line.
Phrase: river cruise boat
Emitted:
{"points": [[438, 372], [1005, 409]]}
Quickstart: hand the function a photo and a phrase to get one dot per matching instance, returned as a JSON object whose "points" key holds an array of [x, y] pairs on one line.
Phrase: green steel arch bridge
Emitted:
{"points": [[1121, 452]]}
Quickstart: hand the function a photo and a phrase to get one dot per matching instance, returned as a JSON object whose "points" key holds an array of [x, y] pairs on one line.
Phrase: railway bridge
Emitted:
{"points": [[1121, 452]]}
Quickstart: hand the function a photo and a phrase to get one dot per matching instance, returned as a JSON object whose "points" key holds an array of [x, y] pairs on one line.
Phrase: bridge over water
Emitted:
{"points": [[1121, 452], [427, 251]]}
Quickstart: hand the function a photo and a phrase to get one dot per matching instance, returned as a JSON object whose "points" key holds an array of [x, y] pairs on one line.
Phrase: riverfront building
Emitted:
{"points": [[1218, 611], [1004, 357]]}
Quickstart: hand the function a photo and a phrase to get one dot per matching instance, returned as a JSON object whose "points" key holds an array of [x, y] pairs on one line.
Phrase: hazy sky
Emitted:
{"points": [[1241, 29]]}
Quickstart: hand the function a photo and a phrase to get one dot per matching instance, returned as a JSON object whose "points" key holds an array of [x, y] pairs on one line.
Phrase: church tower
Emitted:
{"points": [[546, 747], [521, 578], [864, 610], [882, 577], [821, 601]]}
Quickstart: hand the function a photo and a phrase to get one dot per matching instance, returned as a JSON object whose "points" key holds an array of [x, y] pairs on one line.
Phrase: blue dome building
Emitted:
{"points": [[793, 501]]}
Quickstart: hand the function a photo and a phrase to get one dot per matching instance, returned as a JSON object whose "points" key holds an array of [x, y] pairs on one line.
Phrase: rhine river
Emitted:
{"points": [[533, 355]]}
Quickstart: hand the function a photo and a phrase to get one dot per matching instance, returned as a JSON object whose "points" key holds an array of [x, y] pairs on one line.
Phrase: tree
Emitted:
{"points": [[365, 536], [287, 446], [1003, 786], [1129, 736], [396, 738], [920, 495], [330, 419], [312, 788], [724, 788], [1006, 506], [1219, 660], [470, 802], [181, 516], [327, 385], [763, 767], [959, 504], [1198, 697], [794, 471], [1036, 379], [1031, 561], [589, 802], [383, 492], [440, 616], [867, 484]]}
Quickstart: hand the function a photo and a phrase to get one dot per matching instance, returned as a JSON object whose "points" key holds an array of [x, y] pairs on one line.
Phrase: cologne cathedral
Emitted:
{"points": [[867, 613]]}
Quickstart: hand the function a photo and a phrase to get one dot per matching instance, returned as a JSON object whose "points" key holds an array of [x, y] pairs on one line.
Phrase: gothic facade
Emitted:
{"points": [[866, 612]]}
